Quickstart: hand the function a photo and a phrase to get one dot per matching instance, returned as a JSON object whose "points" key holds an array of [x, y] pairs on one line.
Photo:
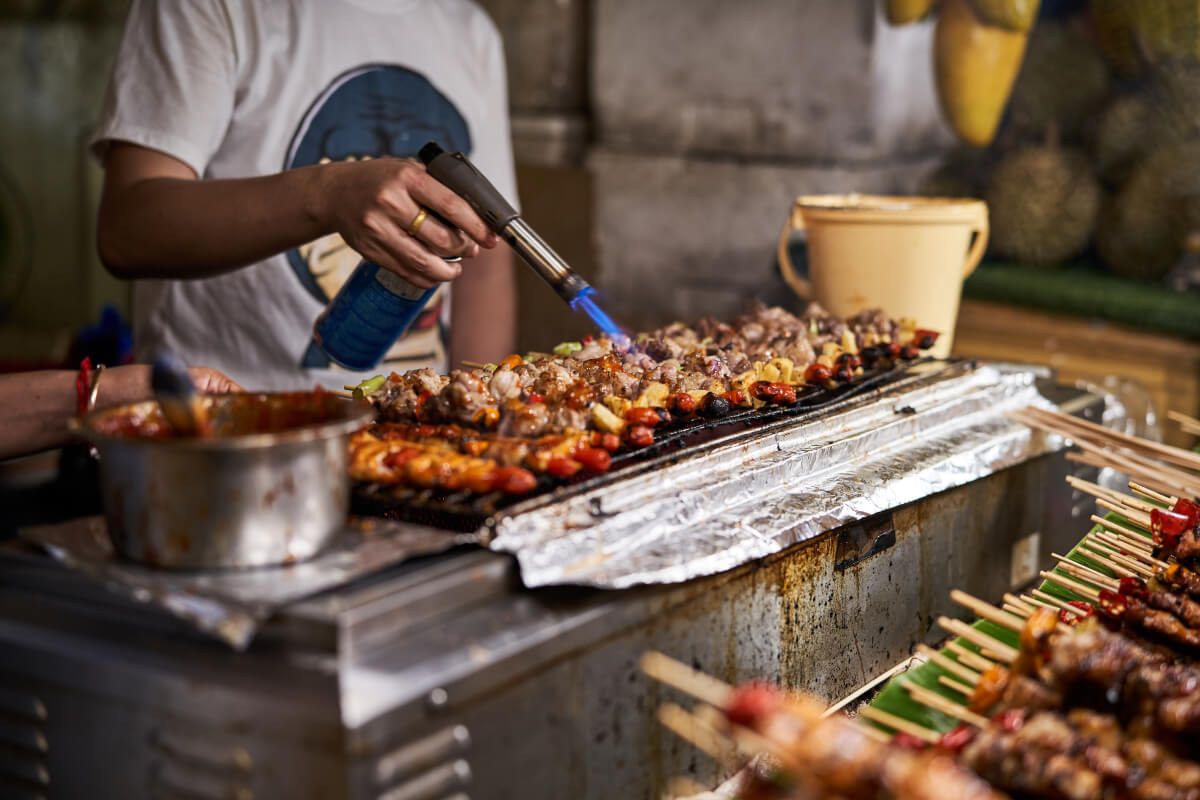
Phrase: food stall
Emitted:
{"points": [[418, 661]]}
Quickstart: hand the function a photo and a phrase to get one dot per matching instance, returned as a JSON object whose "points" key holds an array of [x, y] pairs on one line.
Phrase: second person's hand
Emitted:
{"points": [[374, 205]]}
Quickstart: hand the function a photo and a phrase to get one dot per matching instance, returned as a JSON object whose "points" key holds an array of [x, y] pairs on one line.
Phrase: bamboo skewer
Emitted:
{"points": [[899, 724], [1145, 491], [1086, 592], [698, 732], [953, 685], [969, 657], [1058, 422], [1142, 470], [1096, 490], [1018, 611], [1189, 424], [702, 686], [1119, 527], [1055, 602], [1095, 552], [1020, 602], [955, 668], [1126, 545], [987, 610], [1077, 570], [979, 638], [1136, 517], [945, 705]]}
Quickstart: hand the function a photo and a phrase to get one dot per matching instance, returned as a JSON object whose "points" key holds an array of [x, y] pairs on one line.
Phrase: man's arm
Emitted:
{"points": [[484, 309], [158, 220], [35, 407]]}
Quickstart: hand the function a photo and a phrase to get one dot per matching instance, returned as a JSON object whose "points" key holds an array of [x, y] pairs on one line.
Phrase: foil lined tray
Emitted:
{"points": [[760, 491]]}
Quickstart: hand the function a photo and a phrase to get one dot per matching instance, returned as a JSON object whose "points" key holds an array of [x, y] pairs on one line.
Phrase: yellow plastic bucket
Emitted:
{"points": [[906, 255]]}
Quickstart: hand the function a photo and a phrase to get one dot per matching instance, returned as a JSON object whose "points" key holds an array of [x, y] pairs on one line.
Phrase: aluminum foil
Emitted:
{"points": [[232, 604], [755, 494]]}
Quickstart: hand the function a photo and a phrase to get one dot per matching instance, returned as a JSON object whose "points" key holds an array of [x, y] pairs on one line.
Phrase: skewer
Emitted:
{"points": [[1136, 517], [1077, 570], [871, 731], [697, 732], [1096, 490], [1091, 430], [1141, 470], [1055, 602], [1119, 527], [899, 724], [979, 638], [953, 685], [473, 364], [340, 393], [1018, 611], [969, 657], [987, 610], [1145, 491], [1127, 546], [1100, 555], [1020, 602], [938, 703], [703, 687], [949, 664], [1185, 421], [1121, 565], [1086, 592]]}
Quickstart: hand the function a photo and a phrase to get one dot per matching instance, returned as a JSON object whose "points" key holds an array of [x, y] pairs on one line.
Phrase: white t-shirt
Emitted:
{"points": [[238, 89]]}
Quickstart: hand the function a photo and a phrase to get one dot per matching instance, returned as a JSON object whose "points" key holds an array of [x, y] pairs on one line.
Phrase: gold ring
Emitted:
{"points": [[415, 225]]}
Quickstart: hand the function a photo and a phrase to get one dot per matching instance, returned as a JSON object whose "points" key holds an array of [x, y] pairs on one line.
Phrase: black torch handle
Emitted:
{"points": [[460, 176]]}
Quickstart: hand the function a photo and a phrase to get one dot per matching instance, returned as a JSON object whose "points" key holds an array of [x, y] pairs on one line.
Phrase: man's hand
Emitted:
{"points": [[372, 203], [210, 381]]}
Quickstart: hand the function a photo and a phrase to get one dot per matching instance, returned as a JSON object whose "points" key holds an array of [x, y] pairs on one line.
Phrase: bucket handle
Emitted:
{"points": [[803, 286], [794, 222], [979, 227]]}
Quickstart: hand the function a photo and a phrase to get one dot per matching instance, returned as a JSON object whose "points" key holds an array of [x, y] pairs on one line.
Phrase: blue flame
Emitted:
{"points": [[584, 302]]}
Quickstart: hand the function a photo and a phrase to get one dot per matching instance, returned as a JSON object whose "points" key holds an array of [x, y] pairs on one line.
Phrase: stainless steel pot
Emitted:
{"points": [[244, 500]]}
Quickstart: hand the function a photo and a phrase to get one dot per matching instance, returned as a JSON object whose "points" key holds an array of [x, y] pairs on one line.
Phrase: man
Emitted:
{"points": [[253, 151]]}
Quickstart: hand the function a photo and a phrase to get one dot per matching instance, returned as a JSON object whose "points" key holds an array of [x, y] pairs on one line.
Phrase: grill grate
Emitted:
{"points": [[466, 512]]}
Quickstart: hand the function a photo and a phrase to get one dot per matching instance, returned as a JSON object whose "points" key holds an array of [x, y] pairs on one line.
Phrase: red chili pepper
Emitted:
{"points": [[1112, 605], [907, 741], [610, 442], [681, 403], [594, 459], [1074, 619], [563, 467], [1010, 720], [588, 339], [779, 393], [752, 703], [1188, 509], [1133, 586], [643, 416], [925, 339], [892, 349], [1167, 527], [817, 373], [513, 480], [736, 397], [536, 397], [639, 435], [955, 739]]}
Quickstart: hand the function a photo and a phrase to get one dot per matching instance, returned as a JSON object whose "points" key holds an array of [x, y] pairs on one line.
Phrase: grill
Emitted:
{"points": [[466, 512]]}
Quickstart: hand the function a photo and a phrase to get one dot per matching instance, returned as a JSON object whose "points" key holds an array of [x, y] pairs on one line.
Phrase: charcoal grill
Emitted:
{"points": [[466, 511]]}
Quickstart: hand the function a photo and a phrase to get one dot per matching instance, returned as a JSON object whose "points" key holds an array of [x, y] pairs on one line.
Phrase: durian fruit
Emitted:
{"points": [[1144, 225], [1063, 80], [1015, 15], [1042, 203], [1175, 94], [1114, 25], [963, 173], [1123, 135], [902, 12]]}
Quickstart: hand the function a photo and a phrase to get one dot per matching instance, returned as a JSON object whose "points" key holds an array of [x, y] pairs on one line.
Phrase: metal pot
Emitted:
{"points": [[248, 499]]}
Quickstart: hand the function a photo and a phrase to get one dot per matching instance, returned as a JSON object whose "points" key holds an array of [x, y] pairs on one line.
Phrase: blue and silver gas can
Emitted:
{"points": [[368, 314]]}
